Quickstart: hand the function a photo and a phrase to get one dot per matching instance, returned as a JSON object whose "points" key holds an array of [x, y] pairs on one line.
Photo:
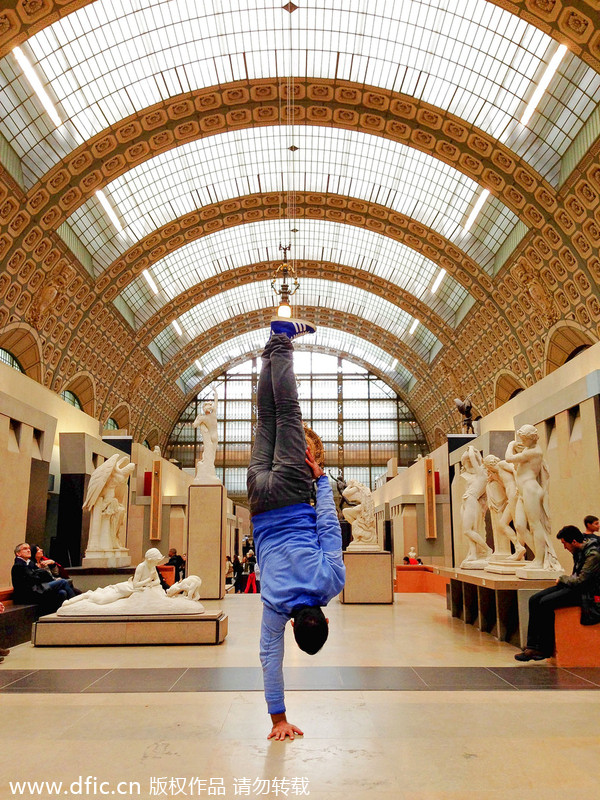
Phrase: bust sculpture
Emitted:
{"points": [[105, 500], [472, 509], [140, 595], [532, 479], [207, 422]]}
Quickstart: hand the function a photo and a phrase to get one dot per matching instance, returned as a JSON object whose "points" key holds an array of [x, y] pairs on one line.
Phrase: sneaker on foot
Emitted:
{"points": [[530, 655], [292, 328]]}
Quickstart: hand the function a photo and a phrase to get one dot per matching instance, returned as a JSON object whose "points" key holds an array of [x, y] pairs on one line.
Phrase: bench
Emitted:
{"points": [[419, 578], [16, 621], [577, 645]]}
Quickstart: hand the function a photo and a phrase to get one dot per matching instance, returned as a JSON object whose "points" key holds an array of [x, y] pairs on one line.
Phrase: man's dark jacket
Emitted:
{"points": [[586, 579], [28, 582]]}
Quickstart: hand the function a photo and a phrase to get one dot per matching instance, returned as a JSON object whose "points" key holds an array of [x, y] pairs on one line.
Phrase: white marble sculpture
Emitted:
{"points": [[105, 500], [499, 487], [532, 478], [472, 510], [361, 517], [141, 595], [207, 422], [412, 553]]}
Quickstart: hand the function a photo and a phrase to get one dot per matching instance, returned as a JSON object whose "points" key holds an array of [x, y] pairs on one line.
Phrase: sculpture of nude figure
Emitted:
{"points": [[473, 509], [502, 497]]}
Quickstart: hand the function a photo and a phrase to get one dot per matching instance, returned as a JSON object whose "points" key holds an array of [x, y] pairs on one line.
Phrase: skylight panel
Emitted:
{"points": [[126, 49], [338, 341], [363, 166]]}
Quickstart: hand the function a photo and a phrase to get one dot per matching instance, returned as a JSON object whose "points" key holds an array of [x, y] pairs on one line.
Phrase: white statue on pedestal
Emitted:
{"points": [[472, 510], [361, 517], [532, 478], [105, 499], [501, 489], [207, 422], [140, 595]]}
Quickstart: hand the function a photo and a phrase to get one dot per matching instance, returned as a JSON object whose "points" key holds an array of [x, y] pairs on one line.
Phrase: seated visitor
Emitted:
{"points": [[178, 562], [581, 588], [33, 584], [406, 561]]}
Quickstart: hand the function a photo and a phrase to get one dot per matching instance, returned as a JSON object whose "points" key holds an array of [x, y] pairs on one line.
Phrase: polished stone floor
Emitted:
{"points": [[403, 702]]}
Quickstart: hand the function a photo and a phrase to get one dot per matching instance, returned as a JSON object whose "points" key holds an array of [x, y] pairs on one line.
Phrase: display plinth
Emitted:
{"points": [[55, 631], [206, 536], [369, 578]]}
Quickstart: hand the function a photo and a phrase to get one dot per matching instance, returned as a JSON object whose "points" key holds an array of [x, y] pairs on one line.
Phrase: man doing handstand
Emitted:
{"points": [[298, 547]]}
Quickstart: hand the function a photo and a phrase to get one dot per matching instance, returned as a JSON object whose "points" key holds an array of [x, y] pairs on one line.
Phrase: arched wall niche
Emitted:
{"points": [[507, 386], [83, 386], [564, 339], [23, 343], [151, 438], [121, 416]]}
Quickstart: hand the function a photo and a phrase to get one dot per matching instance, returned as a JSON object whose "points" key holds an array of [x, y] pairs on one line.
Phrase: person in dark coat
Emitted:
{"points": [[37, 586], [178, 562], [581, 588], [238, 571]]}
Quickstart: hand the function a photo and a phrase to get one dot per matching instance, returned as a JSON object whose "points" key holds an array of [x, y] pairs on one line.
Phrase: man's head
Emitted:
{"points": [[592, 524], [23, 550], [172, 552], [571, 537], [311, 628]]}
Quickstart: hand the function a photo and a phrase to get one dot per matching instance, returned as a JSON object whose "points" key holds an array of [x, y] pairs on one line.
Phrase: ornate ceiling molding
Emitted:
{"points": [[310, 205]]}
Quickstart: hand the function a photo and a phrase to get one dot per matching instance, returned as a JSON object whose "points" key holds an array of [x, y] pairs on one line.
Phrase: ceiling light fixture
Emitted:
{"points": [[413, 327], [287, 271], [177, 327], [36, 85], [438, 280], [150, 280], [543, 84], [109, 210], [476, 209], [199, 365], [394, 363]]}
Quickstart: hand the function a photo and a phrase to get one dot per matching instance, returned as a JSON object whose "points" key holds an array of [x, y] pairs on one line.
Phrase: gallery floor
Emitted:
{"points": [[403, 702]]}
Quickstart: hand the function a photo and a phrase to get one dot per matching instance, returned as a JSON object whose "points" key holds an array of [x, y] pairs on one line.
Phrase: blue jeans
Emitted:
{"points": [[278, 475], [61, 588]]}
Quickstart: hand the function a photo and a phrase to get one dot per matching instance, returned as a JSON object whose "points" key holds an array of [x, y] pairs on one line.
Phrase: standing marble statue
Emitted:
{"points": [[207, 422], [361, 517], [532, 478], [501, 494], [472, 509], [142, 595], [105, 499]]}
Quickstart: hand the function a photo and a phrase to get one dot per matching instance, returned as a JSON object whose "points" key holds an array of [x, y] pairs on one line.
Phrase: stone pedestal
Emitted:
{"points": [[369, 578], [532, 574], [111, 559], [206, 535]]}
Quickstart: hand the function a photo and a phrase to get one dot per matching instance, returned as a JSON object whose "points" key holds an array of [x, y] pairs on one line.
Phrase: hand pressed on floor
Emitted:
{"points": [[283, 728]]}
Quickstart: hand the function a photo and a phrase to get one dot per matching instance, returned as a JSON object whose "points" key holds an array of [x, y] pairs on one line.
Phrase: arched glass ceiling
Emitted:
{"points": [[243, 300], [115, 57], [315, 240], [337, 341], [243, 162]]}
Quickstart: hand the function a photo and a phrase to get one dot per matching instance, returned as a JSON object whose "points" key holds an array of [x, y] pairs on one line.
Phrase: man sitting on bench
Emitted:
{"points": [[36, 586]]}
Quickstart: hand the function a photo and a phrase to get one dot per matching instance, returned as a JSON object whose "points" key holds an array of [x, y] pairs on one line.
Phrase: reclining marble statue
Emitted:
{"points": [[141, 594], [207, 422], [532, 479], [105, 500], [472, 510], [361, 517]]}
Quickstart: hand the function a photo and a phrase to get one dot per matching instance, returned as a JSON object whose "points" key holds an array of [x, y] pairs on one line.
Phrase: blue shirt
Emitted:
{"points": [[299, 550]]}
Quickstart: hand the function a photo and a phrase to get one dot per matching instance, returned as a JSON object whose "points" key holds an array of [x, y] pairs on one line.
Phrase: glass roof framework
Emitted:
{"points": [[242, 300], [337, 341], [113, 58], [315, 240], [250, 161]]}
